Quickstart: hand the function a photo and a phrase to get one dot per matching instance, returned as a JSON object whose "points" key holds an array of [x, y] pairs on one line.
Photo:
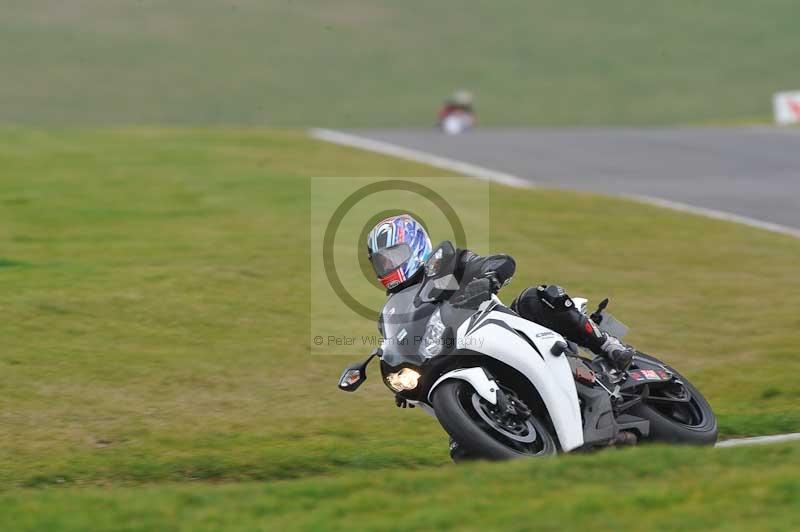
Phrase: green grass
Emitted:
{"points": [[154, 288], [669, 489], [367, 63]]}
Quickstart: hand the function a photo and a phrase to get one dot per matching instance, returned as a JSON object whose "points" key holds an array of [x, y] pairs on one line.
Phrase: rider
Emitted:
{"points": [[399, 245], [459, 102]]}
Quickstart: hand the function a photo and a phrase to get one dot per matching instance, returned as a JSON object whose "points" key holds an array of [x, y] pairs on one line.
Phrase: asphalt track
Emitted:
{"points": [[749, 172]]}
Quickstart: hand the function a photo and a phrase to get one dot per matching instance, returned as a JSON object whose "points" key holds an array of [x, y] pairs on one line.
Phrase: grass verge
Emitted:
{"points": [[650, 488]]}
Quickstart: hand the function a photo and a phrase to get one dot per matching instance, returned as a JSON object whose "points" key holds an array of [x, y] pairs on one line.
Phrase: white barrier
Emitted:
{"points": [[786, 106]]}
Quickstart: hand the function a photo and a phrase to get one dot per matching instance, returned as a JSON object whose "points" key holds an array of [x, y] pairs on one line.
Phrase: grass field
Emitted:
{"points": [[372, 63], [741, 489], [154, 289]]}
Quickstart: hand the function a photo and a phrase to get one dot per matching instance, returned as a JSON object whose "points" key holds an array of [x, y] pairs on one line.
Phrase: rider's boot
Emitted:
{"points": [[618, 354], [600, 342], [457, 452]]}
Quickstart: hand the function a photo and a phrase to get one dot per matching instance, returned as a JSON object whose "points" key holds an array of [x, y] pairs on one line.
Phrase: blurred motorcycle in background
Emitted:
{"points": [[457, 114]]}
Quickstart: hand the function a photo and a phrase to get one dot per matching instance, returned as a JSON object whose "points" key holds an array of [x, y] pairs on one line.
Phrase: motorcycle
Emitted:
{"points": [[456, 122], [504, 387]]}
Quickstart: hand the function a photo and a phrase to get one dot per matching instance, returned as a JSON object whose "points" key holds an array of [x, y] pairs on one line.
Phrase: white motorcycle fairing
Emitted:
{"points": [[494, 333], [476, 377]]}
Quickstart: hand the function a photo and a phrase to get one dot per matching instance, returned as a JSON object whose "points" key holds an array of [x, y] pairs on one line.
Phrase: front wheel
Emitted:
{"points": [[679, 415], [483, 431]]}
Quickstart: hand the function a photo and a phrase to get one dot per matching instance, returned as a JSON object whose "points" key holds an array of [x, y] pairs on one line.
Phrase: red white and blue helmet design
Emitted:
{"points": [[398, 247]]}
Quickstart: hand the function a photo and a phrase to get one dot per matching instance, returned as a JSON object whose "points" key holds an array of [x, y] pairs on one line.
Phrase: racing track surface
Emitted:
{"points": [[751, 172]]}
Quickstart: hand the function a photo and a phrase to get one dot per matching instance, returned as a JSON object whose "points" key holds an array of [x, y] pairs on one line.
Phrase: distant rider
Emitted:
{"points": [[398, 247], [459, 103]]}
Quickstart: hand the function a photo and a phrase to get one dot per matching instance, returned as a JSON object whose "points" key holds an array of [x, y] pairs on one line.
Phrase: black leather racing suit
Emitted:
{"points": [[547, 305]]}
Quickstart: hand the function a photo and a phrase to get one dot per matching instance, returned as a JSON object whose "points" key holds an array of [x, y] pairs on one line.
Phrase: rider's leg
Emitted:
{"points": [[549, 305]]}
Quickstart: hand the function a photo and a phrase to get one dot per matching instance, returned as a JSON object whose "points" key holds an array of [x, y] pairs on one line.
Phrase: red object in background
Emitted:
{"points": [[448, 109], [795, 107]]}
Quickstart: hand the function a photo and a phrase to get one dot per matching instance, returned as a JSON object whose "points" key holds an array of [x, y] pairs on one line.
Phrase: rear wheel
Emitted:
{"points": [[677, 414], [482, 431]]}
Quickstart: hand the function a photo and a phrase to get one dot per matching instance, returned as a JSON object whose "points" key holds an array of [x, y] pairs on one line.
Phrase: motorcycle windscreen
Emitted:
{"points": [[438, 288], [387, 260], [440, 282], [404, 327], [612, 325]]}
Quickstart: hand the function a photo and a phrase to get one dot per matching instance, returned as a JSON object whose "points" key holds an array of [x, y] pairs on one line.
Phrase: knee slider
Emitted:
{"points": [[554, 297], [526, 304]]}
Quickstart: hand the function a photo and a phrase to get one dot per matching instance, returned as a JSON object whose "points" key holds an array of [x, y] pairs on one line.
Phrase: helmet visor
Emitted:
{"points": [[387, 260]]}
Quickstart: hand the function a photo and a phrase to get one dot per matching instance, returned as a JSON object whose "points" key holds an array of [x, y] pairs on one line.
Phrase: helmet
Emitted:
{"points": [[397, 247], [462, 97]]}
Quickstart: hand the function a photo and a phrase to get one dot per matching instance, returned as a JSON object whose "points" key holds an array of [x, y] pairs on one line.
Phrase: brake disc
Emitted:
{"points": [[478, 403]]}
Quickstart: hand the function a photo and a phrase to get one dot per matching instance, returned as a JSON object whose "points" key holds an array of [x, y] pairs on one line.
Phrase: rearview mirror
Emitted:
{"points": [[355, 374], [352, 377]]}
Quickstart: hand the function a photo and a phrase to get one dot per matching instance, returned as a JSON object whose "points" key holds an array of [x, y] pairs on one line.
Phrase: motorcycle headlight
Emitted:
{"points": [[405, 379], [433, 341]]}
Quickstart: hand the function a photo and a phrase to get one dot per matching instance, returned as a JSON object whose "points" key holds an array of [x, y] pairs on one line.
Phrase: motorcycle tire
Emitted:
{"points": [[455, 412], [664, 427]]}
